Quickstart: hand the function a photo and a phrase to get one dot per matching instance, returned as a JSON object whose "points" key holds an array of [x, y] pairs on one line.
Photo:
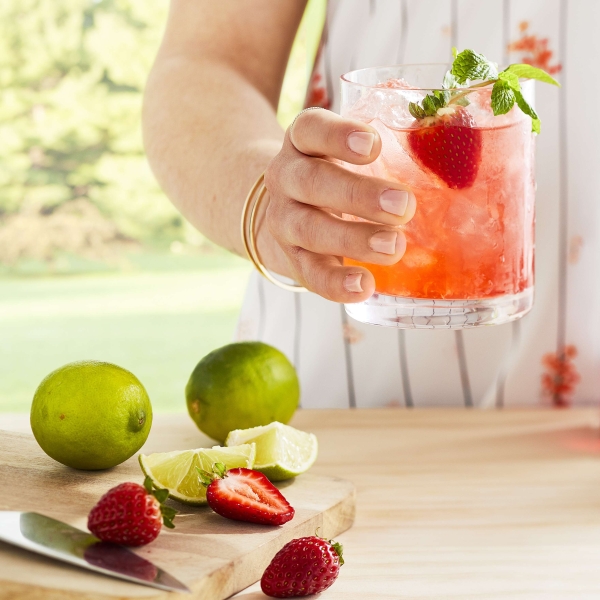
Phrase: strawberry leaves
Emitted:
{"points": [[431, 103], [338, 550], [219, 471], [168, 513]]}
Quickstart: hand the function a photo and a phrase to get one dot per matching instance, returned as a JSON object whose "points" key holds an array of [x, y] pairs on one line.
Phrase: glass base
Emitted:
{"points": [[421, 313]]}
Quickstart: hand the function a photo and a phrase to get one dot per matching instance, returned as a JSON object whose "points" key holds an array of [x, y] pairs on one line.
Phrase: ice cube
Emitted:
{"points": [[480, 106], [387, 102], [468, 216], [417, 257]]}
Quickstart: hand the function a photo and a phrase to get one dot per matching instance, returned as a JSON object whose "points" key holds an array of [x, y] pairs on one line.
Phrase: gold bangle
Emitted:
{"points": [[245, 208], [249, 237]]}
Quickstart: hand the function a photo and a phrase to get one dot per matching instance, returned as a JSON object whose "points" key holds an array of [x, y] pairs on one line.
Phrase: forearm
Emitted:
{"points": [[208, 135]]}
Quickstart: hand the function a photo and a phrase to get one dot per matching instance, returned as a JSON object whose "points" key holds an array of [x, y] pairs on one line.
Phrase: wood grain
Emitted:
{"points": [[484, 505], [215, 557]]}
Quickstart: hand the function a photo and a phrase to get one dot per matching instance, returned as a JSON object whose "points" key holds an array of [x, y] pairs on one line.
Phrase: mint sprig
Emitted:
{"points": [[470, 66]]}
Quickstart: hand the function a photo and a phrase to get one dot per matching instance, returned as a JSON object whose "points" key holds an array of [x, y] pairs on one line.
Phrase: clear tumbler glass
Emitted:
{"points": [[470, 246]]}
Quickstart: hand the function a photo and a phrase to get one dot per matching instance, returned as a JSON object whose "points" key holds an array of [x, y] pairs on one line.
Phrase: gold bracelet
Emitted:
{"points": [[249, 237]]}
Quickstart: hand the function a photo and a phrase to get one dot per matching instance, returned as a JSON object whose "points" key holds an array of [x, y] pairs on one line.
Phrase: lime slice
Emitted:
{"points": [[282, 452], [177, 472]]}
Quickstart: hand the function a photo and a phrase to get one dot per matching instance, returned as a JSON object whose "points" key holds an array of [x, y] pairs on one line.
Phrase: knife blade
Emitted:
{"points": [[58, 540]]}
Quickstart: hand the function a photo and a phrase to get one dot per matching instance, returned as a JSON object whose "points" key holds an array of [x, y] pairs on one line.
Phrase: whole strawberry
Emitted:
{"points": [[131, 514], [303, 567], [449, 145], [245, 495]]}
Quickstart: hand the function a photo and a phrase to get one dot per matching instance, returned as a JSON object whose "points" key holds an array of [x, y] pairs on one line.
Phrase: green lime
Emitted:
{"points": [[91, 415], [177, 471], [282, 452], [241, 385]]}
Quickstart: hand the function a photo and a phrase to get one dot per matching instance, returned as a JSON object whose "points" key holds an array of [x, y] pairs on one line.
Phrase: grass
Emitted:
{"points": [[154, 313], [157, 320]]}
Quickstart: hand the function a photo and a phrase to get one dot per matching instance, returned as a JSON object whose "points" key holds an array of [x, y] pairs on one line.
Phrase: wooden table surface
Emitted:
{"points": [[455, 503]]}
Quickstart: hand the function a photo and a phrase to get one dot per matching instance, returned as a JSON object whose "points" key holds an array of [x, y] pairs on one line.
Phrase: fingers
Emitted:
{"points": [[323, 133], [326, 276], [327, 185], [307, 189], [323, 233]]}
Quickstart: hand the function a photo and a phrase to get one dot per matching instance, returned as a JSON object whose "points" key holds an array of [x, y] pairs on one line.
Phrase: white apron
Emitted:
{"points": [[343, 363]]}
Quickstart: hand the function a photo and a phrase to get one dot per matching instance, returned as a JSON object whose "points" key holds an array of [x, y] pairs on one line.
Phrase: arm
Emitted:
{"points": [[210, 129], [210, 106]]}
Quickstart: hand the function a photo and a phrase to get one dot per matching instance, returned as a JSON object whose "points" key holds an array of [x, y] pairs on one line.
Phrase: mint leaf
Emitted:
{"points": [[503, 98], [536, 124], [511, 79], [529, 72], [470, 66], [450, 81], [525, 106]]}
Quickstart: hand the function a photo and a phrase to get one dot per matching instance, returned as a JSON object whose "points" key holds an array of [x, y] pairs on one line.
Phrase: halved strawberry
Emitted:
{"points": [[448, 145], [245, 495]]}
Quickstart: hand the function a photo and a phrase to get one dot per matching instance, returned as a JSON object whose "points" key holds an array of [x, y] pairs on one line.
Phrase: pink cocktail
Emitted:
{"points": [[470, 246]]}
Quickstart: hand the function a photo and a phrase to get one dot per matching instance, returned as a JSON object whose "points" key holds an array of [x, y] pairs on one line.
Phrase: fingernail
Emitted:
{"points": [[384, 242], [361, 142], [394, 201], [352, 282]]}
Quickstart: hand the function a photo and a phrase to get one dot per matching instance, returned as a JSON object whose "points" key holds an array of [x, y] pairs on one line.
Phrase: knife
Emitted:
{"points": [[58, 540]]}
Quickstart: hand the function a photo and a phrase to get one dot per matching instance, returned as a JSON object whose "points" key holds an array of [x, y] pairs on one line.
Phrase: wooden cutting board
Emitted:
{"points": [[213, 556]]}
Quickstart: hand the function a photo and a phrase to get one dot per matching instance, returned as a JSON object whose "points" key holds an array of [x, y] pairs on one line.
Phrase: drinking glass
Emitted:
{"points": [[469, 257]]}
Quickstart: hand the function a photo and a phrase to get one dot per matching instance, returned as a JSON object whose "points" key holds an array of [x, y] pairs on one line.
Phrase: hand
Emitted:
{"points": [[308, 192]]}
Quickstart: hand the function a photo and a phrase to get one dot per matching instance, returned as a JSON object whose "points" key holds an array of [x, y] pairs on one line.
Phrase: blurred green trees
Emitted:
{"points": [[71, 80], [73, 176]]}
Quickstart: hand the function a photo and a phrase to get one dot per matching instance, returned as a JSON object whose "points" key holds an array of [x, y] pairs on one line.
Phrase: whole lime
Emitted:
{"points": [[91, 415], [241, 385]]}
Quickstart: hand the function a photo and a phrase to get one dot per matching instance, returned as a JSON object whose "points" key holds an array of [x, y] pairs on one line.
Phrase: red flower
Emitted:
{"points": [[351, 334], [534, 50], [562, 377], [316, 94]]}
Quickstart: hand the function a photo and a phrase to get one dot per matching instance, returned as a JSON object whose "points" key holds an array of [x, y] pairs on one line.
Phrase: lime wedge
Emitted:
{"points": [[282, 452], [177, 472]]}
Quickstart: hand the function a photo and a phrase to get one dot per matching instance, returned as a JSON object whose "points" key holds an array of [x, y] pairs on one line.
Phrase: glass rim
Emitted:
{"points": [[344, 78]]}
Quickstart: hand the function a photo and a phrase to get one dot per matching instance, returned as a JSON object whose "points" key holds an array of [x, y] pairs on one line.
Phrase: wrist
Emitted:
{"points": [[269, 250]]}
